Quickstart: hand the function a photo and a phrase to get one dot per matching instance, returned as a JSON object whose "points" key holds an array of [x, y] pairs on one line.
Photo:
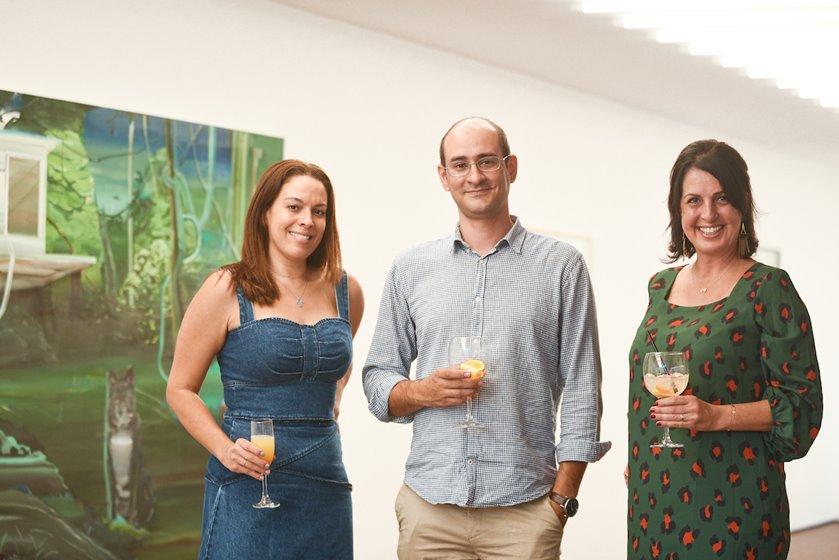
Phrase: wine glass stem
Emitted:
{"points": [[265, 487], [666, 435], [469, 408]]}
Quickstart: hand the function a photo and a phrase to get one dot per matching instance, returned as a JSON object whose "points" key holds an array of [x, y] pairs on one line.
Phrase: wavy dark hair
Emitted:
{"points": [[253, 272], [730, 169]]}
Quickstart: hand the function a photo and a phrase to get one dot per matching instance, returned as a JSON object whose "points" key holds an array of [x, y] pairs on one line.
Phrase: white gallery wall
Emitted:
{"points": [[371, 109]]}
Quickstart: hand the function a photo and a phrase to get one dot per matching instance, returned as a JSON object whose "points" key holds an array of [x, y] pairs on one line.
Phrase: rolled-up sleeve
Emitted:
{"points": [[788, 359], [579, 370], [392, 351]]}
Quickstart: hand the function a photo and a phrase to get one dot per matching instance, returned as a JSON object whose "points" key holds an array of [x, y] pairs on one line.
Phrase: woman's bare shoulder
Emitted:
{"points": [[217, 291]]}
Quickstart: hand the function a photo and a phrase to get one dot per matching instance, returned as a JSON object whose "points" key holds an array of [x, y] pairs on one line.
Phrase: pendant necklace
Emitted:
{"points": [[298, 299], [717, 279]]}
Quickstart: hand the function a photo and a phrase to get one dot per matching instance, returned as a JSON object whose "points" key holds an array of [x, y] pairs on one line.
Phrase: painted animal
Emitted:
{"points": [[132, 495]]}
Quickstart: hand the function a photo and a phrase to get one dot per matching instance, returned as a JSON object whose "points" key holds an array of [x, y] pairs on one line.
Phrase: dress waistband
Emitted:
{"points": [[301, 400]]}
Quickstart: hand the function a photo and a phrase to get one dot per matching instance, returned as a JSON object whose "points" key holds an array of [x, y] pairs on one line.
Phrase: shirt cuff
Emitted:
{"points": [[582, 451], [378, 402]]}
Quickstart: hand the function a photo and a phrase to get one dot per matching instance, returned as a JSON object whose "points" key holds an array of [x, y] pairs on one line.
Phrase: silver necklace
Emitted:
{"points": [[298, 299]]}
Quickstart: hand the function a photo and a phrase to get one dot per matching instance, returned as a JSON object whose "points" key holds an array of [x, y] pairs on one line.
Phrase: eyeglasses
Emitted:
{"points": [[484, 165]]}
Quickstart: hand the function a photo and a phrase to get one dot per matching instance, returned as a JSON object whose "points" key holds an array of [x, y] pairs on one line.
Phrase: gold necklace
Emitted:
{"points": [[717, 279], [298, 299]]}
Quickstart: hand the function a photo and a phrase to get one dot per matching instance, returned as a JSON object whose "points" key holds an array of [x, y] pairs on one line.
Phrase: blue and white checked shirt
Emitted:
{"points": [[532, 298]]}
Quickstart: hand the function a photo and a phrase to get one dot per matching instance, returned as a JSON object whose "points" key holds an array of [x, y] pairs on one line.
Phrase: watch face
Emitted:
{"points": [[571, 507]]}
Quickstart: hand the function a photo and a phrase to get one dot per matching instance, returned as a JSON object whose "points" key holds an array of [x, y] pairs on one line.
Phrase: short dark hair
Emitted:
{"points": [[729, 168], [502, 137]]}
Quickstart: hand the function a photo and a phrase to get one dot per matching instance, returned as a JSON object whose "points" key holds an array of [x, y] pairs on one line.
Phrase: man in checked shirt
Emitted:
{"points": [[505, 490]]}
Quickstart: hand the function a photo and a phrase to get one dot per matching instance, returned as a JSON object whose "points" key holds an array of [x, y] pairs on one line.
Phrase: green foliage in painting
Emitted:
{"points": [[144, 285], [72, 216]]}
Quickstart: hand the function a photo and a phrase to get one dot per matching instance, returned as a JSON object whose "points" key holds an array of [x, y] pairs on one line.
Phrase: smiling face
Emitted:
{"points": [[296, 221], [478, 195], [715, 163], [710, 221]]}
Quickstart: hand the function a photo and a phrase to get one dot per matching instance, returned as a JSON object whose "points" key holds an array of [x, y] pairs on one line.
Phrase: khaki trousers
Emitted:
{"points": [[529, 531]]}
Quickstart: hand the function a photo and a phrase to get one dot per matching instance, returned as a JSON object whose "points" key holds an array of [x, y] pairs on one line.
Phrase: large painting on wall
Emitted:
{"points": [[109, 222]]}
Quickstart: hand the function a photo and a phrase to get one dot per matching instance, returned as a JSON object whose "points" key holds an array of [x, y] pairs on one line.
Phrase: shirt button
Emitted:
{"points": [[469, 461], [477, 298]]}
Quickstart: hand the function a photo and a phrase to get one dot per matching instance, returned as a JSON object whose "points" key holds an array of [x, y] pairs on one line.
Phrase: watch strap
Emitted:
{"points": [[562, 501], [558, 498]]}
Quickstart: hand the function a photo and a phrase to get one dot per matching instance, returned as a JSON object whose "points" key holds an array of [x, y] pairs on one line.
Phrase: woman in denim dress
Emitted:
{"points": [[281, 323]]}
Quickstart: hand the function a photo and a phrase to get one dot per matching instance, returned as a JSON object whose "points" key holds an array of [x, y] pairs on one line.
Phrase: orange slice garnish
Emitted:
{"points": [[475, 367], [662, 391]]}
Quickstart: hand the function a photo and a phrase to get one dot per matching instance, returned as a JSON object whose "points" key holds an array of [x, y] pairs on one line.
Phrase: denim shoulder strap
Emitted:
{"points": [[245, 307], [342, 297]]}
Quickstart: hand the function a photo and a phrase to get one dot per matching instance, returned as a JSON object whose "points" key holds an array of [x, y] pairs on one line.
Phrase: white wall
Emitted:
{"points": [[371, 109]]}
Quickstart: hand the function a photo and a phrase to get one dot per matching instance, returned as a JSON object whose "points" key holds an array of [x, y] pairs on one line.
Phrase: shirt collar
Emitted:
{"points": [[514, 238]]}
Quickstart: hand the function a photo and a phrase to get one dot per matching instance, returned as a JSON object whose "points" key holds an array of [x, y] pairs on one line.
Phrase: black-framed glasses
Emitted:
{"points": [[485, 164]]}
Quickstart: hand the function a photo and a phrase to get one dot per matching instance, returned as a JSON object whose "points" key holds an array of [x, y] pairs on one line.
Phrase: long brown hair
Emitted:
{"points": [[729, 168], [253, 272]]}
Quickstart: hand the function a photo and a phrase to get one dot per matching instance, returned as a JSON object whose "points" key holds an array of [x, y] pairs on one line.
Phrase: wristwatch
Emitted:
{"points": [[568, 505]]}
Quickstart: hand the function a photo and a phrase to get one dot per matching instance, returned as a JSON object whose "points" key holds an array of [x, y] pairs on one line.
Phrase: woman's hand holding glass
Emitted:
{"points": [[692, 413], [243, 457]]}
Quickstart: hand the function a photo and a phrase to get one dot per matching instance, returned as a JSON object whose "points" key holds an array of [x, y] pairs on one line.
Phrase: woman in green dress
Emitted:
{"points": [[754, 397]]}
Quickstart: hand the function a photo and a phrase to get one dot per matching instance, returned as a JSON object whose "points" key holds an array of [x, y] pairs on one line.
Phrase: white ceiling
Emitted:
{"points": [[553, 41]]}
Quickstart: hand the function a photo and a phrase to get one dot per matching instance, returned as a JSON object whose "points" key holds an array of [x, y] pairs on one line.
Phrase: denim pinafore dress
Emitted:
{"points": [[276, 368]]}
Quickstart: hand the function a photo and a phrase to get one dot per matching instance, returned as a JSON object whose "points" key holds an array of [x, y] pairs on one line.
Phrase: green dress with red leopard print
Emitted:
{"points": [[723, 494]]}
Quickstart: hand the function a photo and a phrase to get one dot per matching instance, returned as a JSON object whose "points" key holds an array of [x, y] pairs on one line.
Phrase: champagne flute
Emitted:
{"points": [[665, 375], [262, 436], [469, 353]]}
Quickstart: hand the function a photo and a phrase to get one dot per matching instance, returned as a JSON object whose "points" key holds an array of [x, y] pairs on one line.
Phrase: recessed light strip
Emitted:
{"points": [[791, 42]]}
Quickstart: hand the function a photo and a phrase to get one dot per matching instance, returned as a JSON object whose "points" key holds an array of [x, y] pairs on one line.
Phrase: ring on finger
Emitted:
{"points": [[682, 416]]}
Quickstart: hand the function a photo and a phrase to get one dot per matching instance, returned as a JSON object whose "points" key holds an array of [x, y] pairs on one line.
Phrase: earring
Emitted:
{"points": [[743, 241]]}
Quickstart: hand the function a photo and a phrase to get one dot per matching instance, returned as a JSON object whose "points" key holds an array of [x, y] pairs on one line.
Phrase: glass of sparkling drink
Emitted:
{"points": [[665, 375], [469, 353], [262, 436]]}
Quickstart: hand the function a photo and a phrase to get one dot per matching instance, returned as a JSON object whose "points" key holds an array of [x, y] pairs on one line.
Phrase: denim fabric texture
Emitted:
{"points": [[276, 368]]}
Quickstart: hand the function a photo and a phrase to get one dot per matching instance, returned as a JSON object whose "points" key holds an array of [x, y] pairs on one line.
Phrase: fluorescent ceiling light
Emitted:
{"points": [[793, 42]]}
